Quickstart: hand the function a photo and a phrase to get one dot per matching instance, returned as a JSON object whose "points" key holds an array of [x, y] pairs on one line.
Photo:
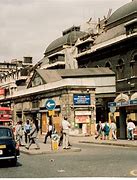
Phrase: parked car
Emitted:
{"points": [[9, 149]]}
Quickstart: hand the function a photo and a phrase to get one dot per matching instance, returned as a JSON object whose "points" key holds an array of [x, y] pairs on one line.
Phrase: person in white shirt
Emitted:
{"points": [[113, 129], [27, 130], [130, 128], [65, 129]]}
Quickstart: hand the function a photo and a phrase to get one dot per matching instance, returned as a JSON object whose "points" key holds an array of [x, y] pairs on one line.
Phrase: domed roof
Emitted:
{"points": [[123, 11], [68, 39]]}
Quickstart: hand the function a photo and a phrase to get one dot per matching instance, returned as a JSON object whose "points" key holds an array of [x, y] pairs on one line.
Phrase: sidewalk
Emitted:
{"points": [[119, 142], [46, 148]]}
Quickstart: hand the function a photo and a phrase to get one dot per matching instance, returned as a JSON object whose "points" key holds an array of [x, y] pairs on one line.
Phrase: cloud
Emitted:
{"points": [[27, 27]]}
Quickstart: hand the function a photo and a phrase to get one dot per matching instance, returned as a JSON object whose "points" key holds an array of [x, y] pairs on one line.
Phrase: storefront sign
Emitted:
{"points": [[82, 112], [82, 119], [2, 91], [122, 104], [81, 99]]}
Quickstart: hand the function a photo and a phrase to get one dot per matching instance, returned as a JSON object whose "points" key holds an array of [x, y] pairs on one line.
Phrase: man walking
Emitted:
{"points": [[33, 135], [49, 133], [65, 129], [130, 128]]}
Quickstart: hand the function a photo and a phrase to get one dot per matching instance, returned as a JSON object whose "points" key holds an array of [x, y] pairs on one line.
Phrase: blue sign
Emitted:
{"points": [[81, 99], [111, 104], [50, 104], [133, 102], [122, 104]]}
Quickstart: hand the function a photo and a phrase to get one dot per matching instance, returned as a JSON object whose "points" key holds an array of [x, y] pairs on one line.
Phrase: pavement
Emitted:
{"points": [[74, 140]]}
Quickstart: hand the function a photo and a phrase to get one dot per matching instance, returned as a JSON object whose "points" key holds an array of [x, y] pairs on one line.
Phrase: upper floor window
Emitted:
{"points": [[131, 26], [120, 69], [133, 65], [108, 65]]}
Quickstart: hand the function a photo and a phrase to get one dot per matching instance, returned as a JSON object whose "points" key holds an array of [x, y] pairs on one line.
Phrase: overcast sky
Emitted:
{"points": [[27, 27]]}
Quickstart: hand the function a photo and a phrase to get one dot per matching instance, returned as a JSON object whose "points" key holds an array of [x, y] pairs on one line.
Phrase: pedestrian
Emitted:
{"points": [[33, 135], [65, 129], [27, 130], [99, 130], [113, 129], [49, 133], [106, 131], [130, 129], [19, 133], [61, 139]]}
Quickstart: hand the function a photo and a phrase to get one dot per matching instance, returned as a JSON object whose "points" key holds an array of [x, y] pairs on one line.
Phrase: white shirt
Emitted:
{"points": [[50, 127], [113, 126], [65, 124], [130, 125]]}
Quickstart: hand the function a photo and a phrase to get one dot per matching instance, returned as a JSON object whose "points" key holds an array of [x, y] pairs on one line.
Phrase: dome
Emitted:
{"points": [[68, 39], [124, 11]]}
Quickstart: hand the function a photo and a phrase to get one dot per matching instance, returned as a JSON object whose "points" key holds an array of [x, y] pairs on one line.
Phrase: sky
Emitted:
{"points": [[27, 27]]}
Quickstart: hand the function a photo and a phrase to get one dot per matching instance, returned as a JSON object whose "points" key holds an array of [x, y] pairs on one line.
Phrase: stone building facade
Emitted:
{"points": [[116, 48]]}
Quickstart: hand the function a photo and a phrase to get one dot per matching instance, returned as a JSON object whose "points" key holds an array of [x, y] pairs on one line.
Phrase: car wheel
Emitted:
{"points": [[14, 161]]}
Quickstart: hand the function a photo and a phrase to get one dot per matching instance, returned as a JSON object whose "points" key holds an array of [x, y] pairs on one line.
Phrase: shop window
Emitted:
{"points": [[133, 65], [120, 69], [35, 104]]}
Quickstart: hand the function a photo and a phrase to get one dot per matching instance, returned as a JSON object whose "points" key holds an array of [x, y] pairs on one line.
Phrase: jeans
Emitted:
{"points": [[130, 134]]}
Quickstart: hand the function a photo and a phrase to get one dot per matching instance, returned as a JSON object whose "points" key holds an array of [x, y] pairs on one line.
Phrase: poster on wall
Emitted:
{"points": [[82, 119]]}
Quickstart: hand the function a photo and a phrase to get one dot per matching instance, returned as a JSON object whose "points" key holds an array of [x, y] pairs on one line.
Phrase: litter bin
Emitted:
{"points": [[54, 141]]}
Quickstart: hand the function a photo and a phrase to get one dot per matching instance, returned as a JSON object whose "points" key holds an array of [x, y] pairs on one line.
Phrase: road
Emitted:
{"points": [[92, 161]]}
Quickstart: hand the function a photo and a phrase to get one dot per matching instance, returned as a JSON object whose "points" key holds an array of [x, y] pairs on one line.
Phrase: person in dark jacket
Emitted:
{"points": [[33, 135], [99, 130]]}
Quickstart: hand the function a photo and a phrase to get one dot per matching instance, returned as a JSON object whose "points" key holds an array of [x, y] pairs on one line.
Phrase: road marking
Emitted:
{"points": [[61, 170], [133, 172]]}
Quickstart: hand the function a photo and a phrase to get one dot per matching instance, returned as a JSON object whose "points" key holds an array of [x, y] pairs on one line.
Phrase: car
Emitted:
{"points": [[9, 148]]}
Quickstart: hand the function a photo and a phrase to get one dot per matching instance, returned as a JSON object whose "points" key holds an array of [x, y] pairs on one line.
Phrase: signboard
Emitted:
{"points": [[112, 105], [51, 112], [133, 102], [2, 91], [82, 119], [112, 109], [81, 99], [50, 104]]}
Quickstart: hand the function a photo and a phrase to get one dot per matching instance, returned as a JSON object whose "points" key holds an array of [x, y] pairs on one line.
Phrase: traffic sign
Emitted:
{"points": [[112, 109], [50, 104]]}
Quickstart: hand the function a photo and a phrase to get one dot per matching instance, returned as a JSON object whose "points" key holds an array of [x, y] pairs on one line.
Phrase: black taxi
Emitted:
{"points": [[9, 149]]}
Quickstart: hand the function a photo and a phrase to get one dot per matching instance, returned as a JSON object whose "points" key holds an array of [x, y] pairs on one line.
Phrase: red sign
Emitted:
{"points": [[82, 119], [2, 91]]}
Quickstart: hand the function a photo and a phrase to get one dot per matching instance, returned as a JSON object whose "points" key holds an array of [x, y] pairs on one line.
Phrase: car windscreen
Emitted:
{"points": [[5, 132]]}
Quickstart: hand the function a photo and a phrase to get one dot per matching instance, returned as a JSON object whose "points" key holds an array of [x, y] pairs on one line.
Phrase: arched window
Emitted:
{"points": [[97, 66], [108, 65], [120, 69], [133, 65]]}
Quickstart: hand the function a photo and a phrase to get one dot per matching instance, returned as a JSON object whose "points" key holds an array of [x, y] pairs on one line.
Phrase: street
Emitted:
{"points": [[91, 161]]}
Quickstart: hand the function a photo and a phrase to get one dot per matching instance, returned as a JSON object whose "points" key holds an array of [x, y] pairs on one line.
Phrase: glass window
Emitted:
{"points": [[5, 132], [120, 69]]}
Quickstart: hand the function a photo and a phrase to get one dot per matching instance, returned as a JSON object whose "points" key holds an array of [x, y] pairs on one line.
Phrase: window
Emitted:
{"points": [[4, 132], [133, 65], [120, 69], [108, 65]]}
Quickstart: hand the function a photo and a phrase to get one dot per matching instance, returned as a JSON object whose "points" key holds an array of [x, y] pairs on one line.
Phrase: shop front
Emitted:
{"points": [[122, 109]]}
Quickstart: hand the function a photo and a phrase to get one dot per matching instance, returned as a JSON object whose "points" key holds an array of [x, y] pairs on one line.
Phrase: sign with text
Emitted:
{"points": [[82, 119], [81, 99]]}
